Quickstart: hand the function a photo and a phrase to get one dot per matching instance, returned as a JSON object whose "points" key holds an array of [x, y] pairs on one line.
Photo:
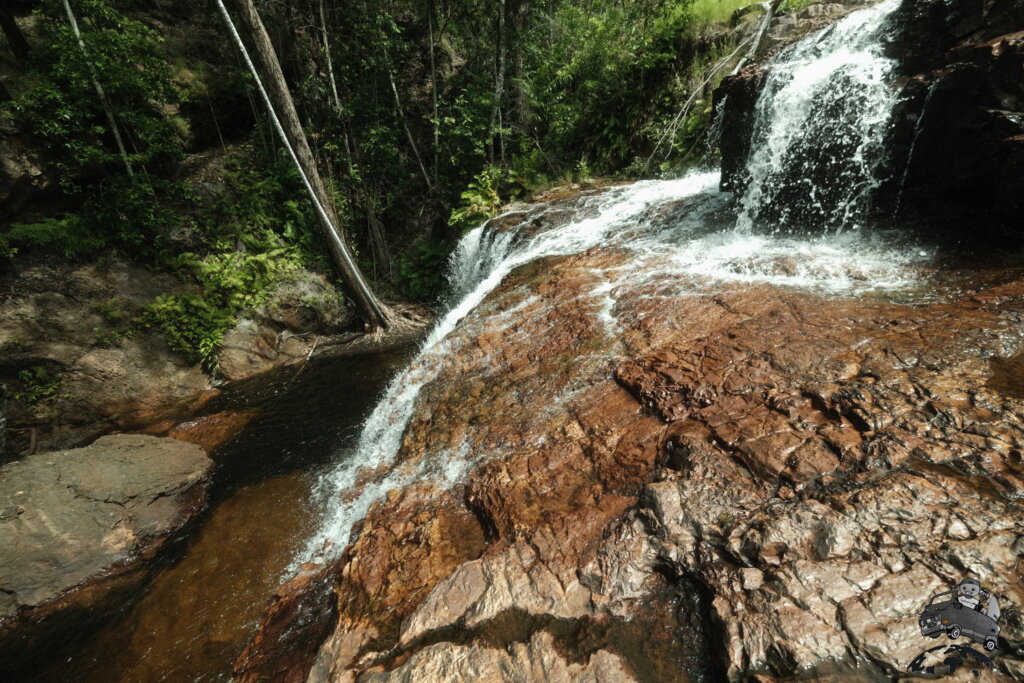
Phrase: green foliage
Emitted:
{"points": [[109, 310], [707, 12], [38, 385], [794, 5], [62, 107], [191, 324], [59, 106], [253, 237], [14, 344], [194, 324], [115, 318], [68, 235], [134, 217], [480, 200], [421, 270]]}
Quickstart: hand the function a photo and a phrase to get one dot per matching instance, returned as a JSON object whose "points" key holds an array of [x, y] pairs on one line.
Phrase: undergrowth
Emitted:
{"points": [[249, 241]]}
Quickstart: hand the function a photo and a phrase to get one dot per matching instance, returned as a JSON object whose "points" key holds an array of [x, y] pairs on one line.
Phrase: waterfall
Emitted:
{"points": [[819, 129], [840, 72], [480, 262]]}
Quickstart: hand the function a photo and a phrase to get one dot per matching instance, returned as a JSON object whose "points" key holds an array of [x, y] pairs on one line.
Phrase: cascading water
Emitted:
{"points": [[479, 263], [838, 75], [819, 128]]}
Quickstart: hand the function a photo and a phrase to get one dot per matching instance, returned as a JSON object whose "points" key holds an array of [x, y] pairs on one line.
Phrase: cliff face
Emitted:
{"points": [[956, 149]]}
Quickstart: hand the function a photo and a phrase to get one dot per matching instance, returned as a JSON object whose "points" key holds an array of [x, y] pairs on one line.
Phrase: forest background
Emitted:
{"points": [[424, 118]]}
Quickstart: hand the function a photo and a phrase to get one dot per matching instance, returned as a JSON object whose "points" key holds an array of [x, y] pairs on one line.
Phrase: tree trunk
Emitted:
{"points": [[520, 15], [19, 46], [433, 88], [104, 102], [499, 87], [400, 113], [330, 62], [280, 103], [5, 95]]}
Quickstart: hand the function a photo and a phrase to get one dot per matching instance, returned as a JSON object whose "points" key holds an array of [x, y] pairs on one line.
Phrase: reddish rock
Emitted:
{"points": [[212, 431], [292, 627], [803, 472]]}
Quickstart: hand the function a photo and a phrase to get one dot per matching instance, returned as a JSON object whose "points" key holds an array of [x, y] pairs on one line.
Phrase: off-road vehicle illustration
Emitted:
{"points": [[961, 612]]}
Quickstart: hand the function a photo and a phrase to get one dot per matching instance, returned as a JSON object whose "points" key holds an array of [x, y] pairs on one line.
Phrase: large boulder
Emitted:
{"points": [[286, 328], [77, 528]]}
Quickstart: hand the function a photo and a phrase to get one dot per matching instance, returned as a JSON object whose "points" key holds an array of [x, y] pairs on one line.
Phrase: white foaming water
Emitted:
{"points": [[682, 252], [480, 262], [847, 264], [819, 128]]}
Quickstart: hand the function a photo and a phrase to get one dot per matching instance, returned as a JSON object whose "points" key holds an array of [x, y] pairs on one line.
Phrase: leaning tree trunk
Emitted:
{"points": [[282, 110], [15, 37], [100, 94]]}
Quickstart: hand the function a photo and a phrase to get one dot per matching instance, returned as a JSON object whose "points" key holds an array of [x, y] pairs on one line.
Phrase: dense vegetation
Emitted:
{"points": [[424, 117]]}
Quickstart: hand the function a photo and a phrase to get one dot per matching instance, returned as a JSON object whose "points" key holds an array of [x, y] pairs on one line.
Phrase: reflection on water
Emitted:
{"points": [[196, 615]]}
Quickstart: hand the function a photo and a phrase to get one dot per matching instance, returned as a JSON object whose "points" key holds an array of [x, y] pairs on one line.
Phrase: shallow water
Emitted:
{"points": [[198, 612]]}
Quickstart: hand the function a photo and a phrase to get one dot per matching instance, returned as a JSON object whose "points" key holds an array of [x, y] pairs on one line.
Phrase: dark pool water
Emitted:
{"points": [[193, 618]]}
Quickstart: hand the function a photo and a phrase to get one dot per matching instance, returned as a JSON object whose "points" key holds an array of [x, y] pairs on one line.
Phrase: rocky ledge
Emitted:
{"points": [[78, 365], [76, 529], [709, 479]]}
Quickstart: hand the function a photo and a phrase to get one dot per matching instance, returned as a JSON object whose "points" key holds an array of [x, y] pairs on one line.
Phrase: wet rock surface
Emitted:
{"points": [[956, 152], [762, 480], [958, 135], [76, 528]]}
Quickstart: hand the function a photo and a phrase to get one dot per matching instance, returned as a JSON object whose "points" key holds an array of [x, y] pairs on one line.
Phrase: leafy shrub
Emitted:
{"points": [[69, 235], [38, 385], [191, 324], [194, 324], [421, 270], [480, 200], [254, 236], [63, 110], [133, 217]]}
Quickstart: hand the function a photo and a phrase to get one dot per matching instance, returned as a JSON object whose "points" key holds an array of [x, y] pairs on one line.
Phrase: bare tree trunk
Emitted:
{"points": [[499, 86], [330, 64], [400, 112], [433, 88], [19, 46], [521, 112], [104, 102], [358, 195], [279, 99], [770, 8]]}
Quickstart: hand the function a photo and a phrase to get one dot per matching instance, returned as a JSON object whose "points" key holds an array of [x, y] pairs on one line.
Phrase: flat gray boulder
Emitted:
{"points": [[77, 525]]}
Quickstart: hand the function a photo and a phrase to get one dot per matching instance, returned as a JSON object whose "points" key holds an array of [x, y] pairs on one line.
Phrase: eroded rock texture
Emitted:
{"points": [[77, 526], [727, 480]]}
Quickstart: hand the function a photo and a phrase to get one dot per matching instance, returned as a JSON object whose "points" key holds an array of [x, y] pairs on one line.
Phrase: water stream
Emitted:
{"points": [[819, 130], [822, 113], [194, 618]]}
